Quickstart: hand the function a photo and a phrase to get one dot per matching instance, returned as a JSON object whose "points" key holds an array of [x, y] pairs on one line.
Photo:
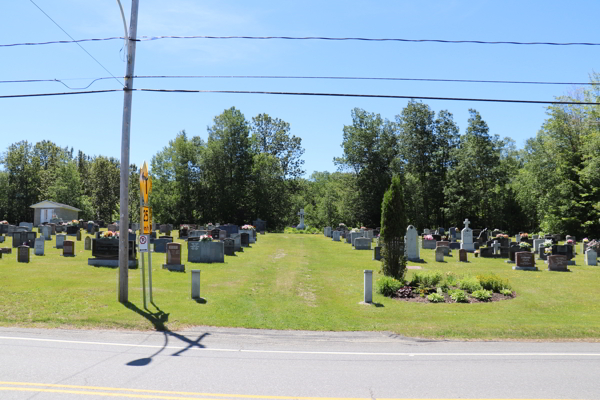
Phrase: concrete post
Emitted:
{"points": [[195, 284], [368, 285]]}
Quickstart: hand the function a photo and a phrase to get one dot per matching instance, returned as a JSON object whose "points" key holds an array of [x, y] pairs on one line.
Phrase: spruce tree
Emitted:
{"points": [[393, 227]]}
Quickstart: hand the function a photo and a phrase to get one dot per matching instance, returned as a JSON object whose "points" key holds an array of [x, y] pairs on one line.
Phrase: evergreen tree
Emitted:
{"points": [[393, 227]]}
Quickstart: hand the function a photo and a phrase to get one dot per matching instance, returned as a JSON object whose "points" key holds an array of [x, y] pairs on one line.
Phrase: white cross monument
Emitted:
{"points": [[467, 237], [301, 224]]}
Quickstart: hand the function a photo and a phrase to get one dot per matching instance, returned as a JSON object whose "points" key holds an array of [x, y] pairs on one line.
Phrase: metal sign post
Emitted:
{"points": [[146, 221]]}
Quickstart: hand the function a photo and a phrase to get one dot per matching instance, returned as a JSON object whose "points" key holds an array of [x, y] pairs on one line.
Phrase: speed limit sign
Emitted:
{"points": [[144, 243]]}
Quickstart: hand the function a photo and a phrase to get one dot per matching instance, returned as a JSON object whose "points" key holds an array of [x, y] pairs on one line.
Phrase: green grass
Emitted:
{"points": [[305, 282]]}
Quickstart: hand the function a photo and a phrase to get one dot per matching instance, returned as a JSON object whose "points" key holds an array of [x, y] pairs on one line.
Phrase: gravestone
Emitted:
{"points": [[79, 235], [229, 246], [411, 244], [88, 243], [444, 249], [106, 253], [456, 246], [496, 246], [18, 239], [301, 215], [557, 263], [467, 237], [3, 229], [426, 232], [362, 243], [29, 238], [542, 253], [369, 234], [206, 252], [525, 261], [160, 245], [39, 246], [113, 228], [174, 258], [354, 235], [564, 250], [28, 225], [60, 239], [439, 254], [90, 227], [336, 236], [69, 248], [462, 255], [327, 231], [445, 245], [591, 257], [483, 236], [535, 237], [518, 238], [2, 237], [487, 252], [428, 244], [60, 228], [452, 234], [183, 233], [245, 239], [222, 234], [377, 253], [237, 242], [72, 230], [216, 234], [260, 225], [250, 233], [23, 254]]}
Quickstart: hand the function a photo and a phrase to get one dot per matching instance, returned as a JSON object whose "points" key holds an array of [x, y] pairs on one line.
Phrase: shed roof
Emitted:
{"points": [[53, 204]]}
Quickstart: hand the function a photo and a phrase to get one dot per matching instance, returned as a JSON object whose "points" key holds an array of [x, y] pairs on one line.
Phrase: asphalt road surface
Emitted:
{"points": [[216, 363]]}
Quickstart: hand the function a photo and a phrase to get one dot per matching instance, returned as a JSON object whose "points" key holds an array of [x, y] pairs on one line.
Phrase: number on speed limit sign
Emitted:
{"points": [[143, 243]]}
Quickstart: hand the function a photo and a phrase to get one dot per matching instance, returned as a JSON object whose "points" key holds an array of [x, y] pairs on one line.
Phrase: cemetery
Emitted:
{"points": [[310, 281]]}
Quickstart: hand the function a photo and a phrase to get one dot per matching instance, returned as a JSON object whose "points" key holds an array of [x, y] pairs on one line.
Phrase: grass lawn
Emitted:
{"points": [[288, 281]]}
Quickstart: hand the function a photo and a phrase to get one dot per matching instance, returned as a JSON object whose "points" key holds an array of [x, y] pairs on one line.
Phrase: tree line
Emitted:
{"points": [[254, 169]]}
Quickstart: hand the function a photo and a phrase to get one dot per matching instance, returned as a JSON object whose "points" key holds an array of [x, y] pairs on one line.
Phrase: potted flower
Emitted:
{"points": [[585, 240], [570, 241], [525, 246], [247, 227], [205, 238], [476, 253], [4, 222], [109, 235], [547, 243], [524, 235]]}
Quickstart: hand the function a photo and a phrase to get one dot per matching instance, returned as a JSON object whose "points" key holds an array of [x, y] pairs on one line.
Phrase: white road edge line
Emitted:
{"points": [[193, 347]]}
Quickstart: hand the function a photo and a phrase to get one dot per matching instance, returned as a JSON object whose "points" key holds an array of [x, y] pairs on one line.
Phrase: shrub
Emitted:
{"points": [[393, 228], [459, 296], [405, 292], [482, 295], [493, 282], [388, 286], [451, 279], [506, 292], [469, 283], [436, 298], [426, 278]]}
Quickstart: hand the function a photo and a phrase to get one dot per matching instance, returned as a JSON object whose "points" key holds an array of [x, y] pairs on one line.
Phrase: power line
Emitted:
{"points": [[300, 77], [151, 38], [76, 42], [376, 96], [58, 94]]}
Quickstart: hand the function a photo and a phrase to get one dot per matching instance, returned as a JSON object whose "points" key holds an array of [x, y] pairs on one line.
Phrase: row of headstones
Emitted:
{"points": [[23, 251]]}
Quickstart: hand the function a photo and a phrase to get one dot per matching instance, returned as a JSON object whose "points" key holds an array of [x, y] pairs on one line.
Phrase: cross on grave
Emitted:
{"points": [[301, 214], [466, 222], [496, 246]]}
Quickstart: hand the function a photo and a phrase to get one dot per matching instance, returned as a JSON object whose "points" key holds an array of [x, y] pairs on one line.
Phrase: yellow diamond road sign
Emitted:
{"points": [[145, 183]]}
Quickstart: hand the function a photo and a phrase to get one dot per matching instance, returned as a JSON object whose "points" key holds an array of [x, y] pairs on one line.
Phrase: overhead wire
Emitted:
{"points": [[378, 96], [76, 42], [299, 77], [363, 39]]}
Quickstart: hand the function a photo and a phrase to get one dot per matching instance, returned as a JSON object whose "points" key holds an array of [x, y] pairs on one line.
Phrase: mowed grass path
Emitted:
{"points": [[303, 282]]}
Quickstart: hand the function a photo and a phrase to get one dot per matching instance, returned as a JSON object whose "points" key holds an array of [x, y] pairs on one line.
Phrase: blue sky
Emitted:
{"points": [[92, 123]]}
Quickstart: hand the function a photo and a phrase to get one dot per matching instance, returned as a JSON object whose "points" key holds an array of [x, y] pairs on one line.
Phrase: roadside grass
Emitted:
{"points": [[299, 282]]}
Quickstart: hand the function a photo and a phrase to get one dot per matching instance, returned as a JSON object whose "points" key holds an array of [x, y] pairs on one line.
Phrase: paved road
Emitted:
{"points": [[215, 363]]}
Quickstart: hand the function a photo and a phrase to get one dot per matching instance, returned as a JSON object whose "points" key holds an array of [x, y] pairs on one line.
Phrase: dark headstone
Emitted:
{"points": [[160, 245], [229, 247], [557, 263], [486, 252], [69, 248], [245, 237], [23, 254], [260, 225], [215, 233], [174, 258], [462, 255], [525, 260], [72, 230]]}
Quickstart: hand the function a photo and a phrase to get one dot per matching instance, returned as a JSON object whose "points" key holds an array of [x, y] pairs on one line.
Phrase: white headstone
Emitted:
{"points": [[39, 246], [412, 244], [301, 215], [368, 280], [496, 247], [537, 243], [591, 257], [518, 238], [467, 237], [439, 254]]}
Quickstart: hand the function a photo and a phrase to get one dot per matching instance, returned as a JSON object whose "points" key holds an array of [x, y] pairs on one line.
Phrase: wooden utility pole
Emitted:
{"points": [[124, 190]]}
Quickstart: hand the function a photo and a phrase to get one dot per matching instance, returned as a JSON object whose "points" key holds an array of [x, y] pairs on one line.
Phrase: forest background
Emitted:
{"points": [[250, 169]]}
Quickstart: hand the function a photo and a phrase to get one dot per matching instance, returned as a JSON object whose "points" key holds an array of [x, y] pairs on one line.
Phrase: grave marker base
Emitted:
{"points": [[174, 267], [97, 262], [517, 268]]}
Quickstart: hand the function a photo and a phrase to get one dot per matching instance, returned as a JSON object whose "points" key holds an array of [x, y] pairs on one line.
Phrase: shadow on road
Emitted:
{"points": [[158, 319]]}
